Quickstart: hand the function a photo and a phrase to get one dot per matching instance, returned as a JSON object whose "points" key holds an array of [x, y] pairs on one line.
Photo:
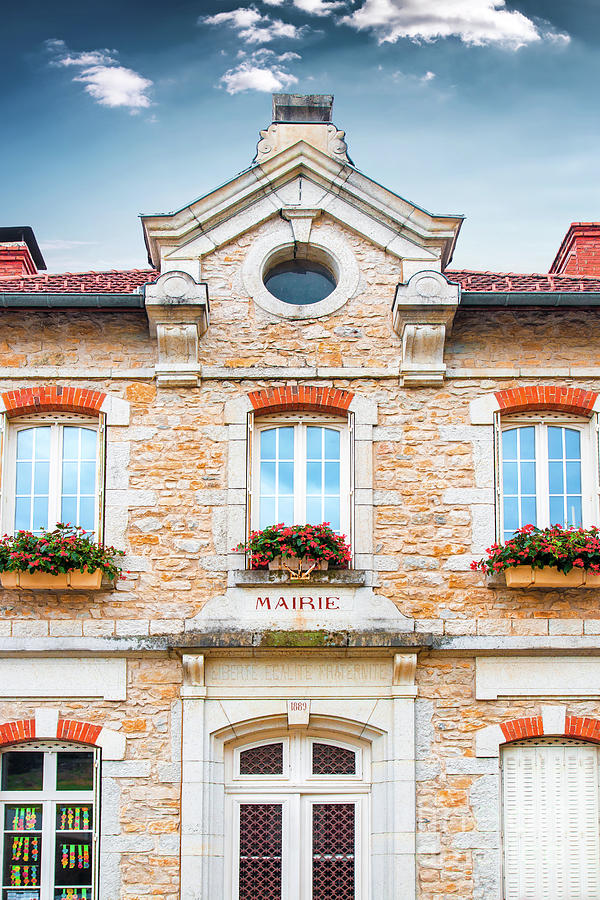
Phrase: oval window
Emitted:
{"points": [[300, 281]]}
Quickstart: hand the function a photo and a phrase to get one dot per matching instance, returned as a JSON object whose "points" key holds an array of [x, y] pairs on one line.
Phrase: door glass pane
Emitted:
{"points": [[333, 851], [260, 851], [21, 871], [323, 476], [22, 771]]}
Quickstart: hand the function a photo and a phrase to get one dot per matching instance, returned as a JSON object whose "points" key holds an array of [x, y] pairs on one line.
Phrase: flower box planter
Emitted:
{"points": [[297, 565], [44, 581], [549, 577]]}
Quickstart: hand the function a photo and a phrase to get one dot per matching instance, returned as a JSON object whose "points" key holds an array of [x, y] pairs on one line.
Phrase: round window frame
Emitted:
{"points": [[328, 250]]}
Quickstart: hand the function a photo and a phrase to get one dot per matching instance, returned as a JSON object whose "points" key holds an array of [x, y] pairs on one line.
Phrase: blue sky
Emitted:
{"points": [[461, 106]]}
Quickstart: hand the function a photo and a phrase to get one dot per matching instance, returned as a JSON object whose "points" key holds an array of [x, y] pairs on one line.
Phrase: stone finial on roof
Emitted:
{"points": [[302, 117]]}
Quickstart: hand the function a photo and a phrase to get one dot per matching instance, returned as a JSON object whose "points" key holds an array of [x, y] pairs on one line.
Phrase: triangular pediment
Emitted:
{"points": [[300, 177]]}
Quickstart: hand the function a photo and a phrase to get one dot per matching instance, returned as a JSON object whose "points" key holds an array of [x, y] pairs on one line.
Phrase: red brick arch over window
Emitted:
{"points": [[67, 730], [52, 398], [583, 727], [301, 397], [547, 397]]}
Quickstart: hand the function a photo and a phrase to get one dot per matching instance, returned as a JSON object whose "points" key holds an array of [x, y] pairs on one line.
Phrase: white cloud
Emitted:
{"points": [[475, 22], [107, 82], [262, 70], [61, 244], [312, 7], [252, 27]]}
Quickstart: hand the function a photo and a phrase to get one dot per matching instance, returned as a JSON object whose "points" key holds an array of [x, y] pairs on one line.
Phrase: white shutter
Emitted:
{"points": [[3, 473], [498, 477], [249, 475], [551, 835]]}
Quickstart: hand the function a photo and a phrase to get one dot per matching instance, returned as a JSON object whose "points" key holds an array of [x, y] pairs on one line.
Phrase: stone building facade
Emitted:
{"points": [[401, 729]]}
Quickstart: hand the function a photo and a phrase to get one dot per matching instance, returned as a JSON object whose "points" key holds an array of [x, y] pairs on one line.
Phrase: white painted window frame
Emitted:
{"points": [[48, 800], [56, 422], [589, 463], [297, 790], [300, 422]]}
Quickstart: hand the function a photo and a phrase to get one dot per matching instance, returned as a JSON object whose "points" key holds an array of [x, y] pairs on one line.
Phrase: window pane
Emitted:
{"points": [[69, 510], [286, 511], [25, 443], [333, 854], [528, 511], [509, 443], [313, 477], [40, 513], [332, 478], [528, 478], [89, 440], [22, 771], [87, 514], [331, 513], [267, 513], [574, 516], [555, 442], [557, 511], [267, 478], [286, 443], [71, 442], [24, 470], [22, 514], [572, 443], [511, 515], [42, 477], [555, 477], [69, 476], [73, 860], [573, 477], [286, 478], [314, 510], [332, 444], [260, 851], [314, 442], [510, 477], [527, 442], [75, 771], [267, 443], [22, 849], [87, 478]]}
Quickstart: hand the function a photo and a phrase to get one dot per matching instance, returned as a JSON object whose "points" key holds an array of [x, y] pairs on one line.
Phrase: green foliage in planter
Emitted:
{"points": [[64, 549], [312, 541], [561, 548]]}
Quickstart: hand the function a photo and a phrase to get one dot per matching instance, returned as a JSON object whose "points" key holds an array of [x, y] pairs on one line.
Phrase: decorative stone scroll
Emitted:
{"points": [[422, 315], [178, 314]]}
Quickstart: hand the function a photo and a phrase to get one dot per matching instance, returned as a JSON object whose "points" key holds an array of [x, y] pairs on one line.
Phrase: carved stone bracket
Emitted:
{"points": [[193, 675], [280, 135], [422, 315], [178, 314], [405, 669]]}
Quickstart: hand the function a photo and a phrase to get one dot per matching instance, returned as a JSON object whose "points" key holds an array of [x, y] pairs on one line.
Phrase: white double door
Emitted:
{"points": [[298, 846]]}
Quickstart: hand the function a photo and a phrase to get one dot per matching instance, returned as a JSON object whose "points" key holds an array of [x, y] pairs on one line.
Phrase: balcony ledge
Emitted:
{"points": [[337, 577]]}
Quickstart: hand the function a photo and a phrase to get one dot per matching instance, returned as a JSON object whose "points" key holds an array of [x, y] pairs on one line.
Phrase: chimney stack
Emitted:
{"points": [[302, 117], [579, 252], [19, 252]]}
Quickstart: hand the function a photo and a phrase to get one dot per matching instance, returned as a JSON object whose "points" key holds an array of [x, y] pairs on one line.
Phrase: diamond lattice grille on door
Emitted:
{"points": [[260, 851], [333, 857]]}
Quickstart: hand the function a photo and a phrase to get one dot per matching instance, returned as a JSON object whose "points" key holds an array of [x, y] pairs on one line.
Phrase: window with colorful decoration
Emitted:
{"points": [[48, 800]]}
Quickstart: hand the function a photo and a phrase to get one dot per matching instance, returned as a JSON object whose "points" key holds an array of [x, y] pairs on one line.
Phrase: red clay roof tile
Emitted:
{"points": [[507, 282], [113, 282]]}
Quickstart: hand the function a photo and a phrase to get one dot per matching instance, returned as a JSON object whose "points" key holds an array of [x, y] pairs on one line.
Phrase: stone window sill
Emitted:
{"points": [[339, 577]]}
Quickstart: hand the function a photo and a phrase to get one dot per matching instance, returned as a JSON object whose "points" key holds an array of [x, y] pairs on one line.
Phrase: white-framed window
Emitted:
{"points": [[297, 819], [550, 810], [548, 472], [301, 472], [48, 803], [52, 472]]}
